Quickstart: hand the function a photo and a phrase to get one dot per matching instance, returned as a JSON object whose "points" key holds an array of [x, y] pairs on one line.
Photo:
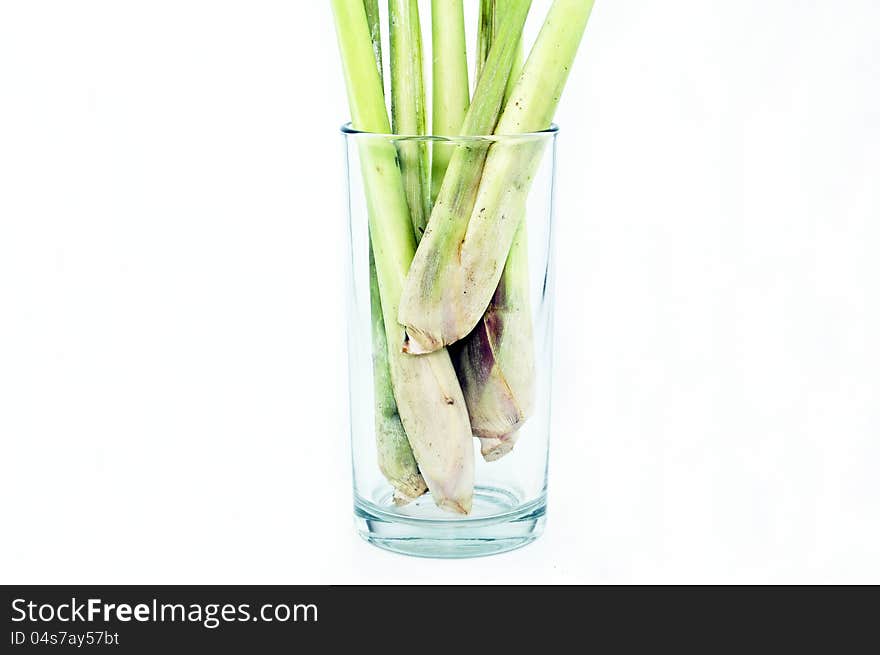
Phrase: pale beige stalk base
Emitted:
{"points": [[416, 342], [435, 418], [494, 448], [454, 507], [408, 490]]}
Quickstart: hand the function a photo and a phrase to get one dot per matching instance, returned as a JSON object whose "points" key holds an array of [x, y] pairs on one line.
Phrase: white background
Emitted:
{"points": [[172, 365]]}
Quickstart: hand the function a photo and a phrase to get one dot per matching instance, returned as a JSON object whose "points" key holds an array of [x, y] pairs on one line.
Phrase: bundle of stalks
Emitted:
{"points": [[448, 243]]}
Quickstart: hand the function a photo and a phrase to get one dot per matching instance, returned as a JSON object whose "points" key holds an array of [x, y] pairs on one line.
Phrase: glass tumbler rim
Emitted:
{"points": [[348, 130]]}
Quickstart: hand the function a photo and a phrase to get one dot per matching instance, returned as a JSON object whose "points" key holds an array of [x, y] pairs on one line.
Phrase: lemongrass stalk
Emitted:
{"points": [[515, 71], [394, 454], [408, 107], [451, 90], [374, 20], [460, 262], [485, 32], [488, 26], [422, 302], [496, 361], [428, 396]]}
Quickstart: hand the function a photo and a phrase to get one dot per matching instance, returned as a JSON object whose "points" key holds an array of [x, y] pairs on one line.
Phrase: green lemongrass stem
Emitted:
{"points": [[408, 107], [395, 456], [456, 271], [374, 20], [485, 32], [496, 361], [486, 35], [423, 303], [515, 71], [451, 89], [429, 398]]}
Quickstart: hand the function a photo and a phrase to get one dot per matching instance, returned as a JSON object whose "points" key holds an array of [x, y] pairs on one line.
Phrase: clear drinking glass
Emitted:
{"points": [[509, 501]]}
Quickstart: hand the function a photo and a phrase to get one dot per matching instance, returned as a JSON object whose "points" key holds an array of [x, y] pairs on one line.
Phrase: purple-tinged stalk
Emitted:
{"points": [[496, 361]]}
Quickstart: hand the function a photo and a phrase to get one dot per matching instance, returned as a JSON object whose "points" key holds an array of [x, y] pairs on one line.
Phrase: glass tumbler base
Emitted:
{"points": [[498, 523]]}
